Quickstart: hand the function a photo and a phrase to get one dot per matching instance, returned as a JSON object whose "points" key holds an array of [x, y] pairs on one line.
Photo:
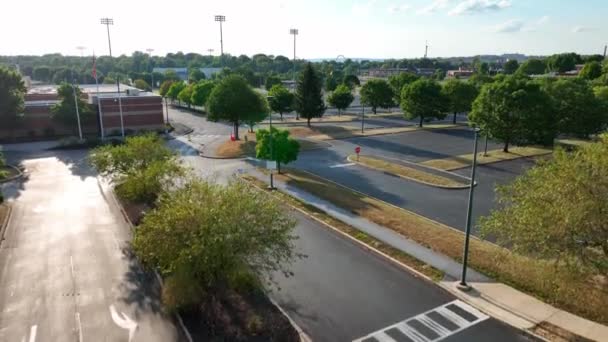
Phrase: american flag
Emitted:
{"points": [[94, 73]]}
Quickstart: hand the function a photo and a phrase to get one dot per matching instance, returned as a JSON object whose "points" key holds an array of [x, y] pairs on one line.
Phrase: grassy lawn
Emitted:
{"points": [[407, 172], [246, 148], [406, 259], [458, 162], [554, 284]]}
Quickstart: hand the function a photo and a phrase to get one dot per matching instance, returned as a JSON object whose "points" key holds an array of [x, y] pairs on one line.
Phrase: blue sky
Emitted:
{"points": [[328, 28]]}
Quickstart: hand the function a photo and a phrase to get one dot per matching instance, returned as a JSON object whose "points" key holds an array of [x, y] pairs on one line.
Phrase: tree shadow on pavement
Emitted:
{"points": [[139, 287]]}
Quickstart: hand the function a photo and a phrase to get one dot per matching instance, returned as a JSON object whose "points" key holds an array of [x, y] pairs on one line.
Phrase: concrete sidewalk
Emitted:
{"points": [[496, 299]]}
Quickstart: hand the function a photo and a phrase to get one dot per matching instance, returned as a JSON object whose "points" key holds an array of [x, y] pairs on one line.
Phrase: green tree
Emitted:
{"points": [[514, 110], [164, 87], [284, 149], [558, 210], [330, 83], [207, 238], [42, 73], [281, 99], [201, 92], [12, 93], [65, 111], [185, 95], [141, 84], [532, 66], [271, 81], [195, 75], [257, 116], [171, 75], [235, 101], [341, 98], [591, 70], [175, 89], [479, 80], [423, 99], [309, 97], [399, 81], [482, 68], [141, 168], [459, 95], [578, 111], [351, 81], [511, 66], [563, 62], [377, 93]]}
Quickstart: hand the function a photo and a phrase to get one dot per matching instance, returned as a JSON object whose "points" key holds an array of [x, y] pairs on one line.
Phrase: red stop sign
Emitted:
{"points": [[357, 149]]}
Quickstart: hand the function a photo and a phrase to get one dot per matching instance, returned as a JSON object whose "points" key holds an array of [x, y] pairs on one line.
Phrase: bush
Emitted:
{"points": [[226, 237]]}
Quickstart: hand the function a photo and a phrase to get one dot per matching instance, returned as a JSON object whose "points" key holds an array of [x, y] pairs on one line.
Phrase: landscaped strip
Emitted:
{"points": [[394, 253], [553, 283], [410, 173], [459, 162], [345, 132]]}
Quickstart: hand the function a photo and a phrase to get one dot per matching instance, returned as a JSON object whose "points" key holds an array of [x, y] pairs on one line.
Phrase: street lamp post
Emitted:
{"points": [[152, 72], [221, 19], [362, 119], [271, 187], [108, 22], [462, 285]]}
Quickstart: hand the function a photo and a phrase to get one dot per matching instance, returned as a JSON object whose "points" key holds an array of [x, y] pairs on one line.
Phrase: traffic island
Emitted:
{"points": [[9, 173], [335, 132], [494, 156], [246, 148], [550, 281], [413, 172]]}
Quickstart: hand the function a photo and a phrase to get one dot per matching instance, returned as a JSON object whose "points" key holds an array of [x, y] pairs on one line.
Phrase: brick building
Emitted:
{"points": [[141, 111]]}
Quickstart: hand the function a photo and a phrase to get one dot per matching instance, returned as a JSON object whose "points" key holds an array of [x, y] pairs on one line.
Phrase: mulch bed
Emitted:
{"points": [[233, 316]]}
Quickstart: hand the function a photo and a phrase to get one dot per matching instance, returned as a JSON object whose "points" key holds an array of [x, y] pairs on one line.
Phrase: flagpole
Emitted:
{"points": [[122, 123], [77, 113], [98, 97]]}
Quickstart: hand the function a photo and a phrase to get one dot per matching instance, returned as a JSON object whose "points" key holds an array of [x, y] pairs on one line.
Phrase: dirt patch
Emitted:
{"points": [[239, 316], [408, 172], [237, 149], [556, 334], [551, 282], [465, 160]]}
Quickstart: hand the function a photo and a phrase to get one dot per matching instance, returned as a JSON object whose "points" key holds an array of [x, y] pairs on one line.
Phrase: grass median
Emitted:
{"points": [[459, 162], [411, 173], [553, 283], [345, 132], [246, 147]]}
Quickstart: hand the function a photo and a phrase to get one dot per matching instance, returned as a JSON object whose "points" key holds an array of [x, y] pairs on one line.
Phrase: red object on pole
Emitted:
{"points": [[357, 149], [232, 138]]}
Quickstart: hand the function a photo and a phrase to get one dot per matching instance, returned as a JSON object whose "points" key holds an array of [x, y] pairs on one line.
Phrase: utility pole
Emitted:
{"points": [[81, 48], [426, 49], [221, 19], [605, 50], [108, 22], [294, 32], [462, 285], [210, 52], [152, 72]]}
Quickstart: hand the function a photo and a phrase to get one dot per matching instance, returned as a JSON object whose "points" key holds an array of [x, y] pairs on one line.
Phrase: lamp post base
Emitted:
{"points": [[463, 287]]}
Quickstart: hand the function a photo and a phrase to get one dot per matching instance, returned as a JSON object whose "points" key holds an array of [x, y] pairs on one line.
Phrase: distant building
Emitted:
{"points": [[182, 73], [460, 73], [141, 111]]}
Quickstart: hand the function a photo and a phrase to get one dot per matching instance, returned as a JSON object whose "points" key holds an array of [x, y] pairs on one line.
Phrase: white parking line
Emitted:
{"points": [[453, 318], [33, 331], [341, 165]]}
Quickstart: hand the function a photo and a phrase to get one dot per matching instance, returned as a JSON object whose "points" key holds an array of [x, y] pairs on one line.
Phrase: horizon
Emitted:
{"points": [[378, 29]]}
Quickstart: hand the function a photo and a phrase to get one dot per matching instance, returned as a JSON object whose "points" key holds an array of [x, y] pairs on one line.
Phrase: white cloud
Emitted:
{"points": [[582, 29], [536, 25], [543, 20], [399, 8], [479, 6], [434, 7], [514, 25]]}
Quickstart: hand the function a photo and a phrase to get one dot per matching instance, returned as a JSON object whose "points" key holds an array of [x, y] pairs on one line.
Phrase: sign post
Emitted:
{"points": [[357, 151], [271, 165]]}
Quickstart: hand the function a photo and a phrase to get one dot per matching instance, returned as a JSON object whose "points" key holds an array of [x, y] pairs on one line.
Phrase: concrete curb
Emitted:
{"points": [[158, 277], [301, 333], [7, 219], [358, 135], [19, 174], [462, 187], [412, 270]]}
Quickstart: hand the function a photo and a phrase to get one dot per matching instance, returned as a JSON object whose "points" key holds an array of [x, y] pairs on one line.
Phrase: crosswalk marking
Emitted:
{"points": [[423, 328], [341, 165]]}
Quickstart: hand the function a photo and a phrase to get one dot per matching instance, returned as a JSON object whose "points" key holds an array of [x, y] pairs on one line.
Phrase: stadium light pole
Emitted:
{"points": [[108, 22], [81, 48], [271, 187], [210, 52], [462, 285], [221, 19], [149, 51], [294, 32]]}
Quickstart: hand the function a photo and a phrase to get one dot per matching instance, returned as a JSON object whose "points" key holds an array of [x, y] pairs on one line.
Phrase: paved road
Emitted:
{"points": [[341, 292], [64, 266], [445, 206]]}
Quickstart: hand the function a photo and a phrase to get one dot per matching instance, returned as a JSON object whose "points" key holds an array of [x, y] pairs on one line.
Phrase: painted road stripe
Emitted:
{"points": [[456, 316], [33, 332], [341, 165]]}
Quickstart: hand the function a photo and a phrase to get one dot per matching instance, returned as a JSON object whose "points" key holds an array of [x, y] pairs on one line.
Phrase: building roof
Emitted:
{"points": [[85, 88]]}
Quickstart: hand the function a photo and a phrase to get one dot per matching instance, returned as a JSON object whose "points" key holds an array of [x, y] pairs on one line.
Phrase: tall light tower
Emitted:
{"points": [[294, 32], [108, 22], [210, 52], [426, 49], [221, 19], [149, 51]]}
